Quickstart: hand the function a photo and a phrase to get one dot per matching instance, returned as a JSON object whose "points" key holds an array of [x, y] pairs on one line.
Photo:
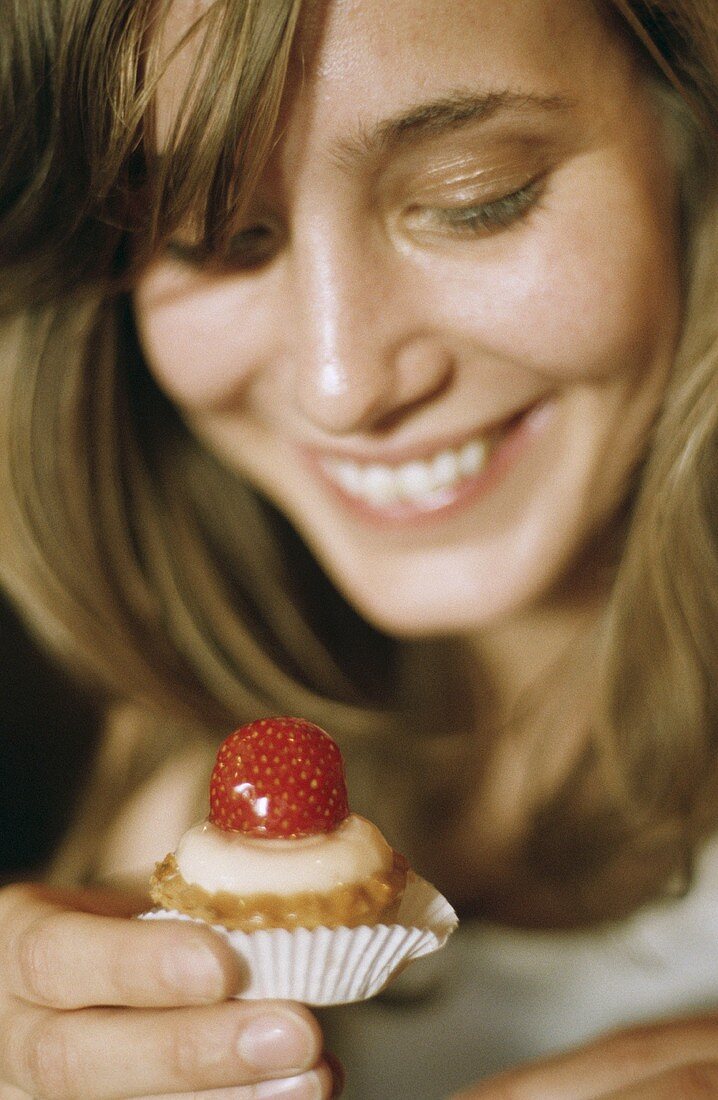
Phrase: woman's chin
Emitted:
{"points": [[420, 609]]}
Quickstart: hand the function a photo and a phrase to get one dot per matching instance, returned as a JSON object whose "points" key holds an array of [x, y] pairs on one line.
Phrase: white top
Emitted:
{"points": [[217, 860], [495, 997]]}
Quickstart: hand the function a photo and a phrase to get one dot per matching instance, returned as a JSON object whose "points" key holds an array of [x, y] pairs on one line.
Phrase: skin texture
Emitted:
{"points": [[378, 331], [381, 329], [165, 1027]]}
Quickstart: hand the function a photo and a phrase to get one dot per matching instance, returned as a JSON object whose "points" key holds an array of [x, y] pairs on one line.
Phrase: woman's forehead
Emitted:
{"points": [[368, 36], [372, 63], [355, 62], [339, 31]]}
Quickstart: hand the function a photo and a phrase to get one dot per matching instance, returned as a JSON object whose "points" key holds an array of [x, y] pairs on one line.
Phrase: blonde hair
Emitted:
{"points": [[117, 542], [150, 570], [646, 791]]}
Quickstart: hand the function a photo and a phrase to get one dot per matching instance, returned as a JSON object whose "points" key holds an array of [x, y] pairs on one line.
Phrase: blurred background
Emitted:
{"points": [[47, 728]]}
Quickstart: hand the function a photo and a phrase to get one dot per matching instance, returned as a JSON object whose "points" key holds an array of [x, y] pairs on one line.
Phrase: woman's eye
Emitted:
{"points": [[250, 248], [480, 219]]}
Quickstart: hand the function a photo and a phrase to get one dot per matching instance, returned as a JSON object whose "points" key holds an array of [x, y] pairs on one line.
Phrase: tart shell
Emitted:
{"points": [[375, 900]]}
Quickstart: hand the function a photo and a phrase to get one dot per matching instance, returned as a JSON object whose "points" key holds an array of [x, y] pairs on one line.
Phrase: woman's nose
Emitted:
{"points": [[362, 355]]}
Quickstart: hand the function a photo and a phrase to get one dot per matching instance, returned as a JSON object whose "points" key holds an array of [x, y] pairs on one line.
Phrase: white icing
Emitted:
{"points": [[217, 860]]}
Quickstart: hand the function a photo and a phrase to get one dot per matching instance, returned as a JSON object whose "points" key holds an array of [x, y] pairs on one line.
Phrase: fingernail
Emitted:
{"points": [[277, 1041], [305, 1087]]}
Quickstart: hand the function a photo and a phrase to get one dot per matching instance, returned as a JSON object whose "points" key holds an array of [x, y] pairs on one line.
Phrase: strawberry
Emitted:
{"points": [[278, 777]]}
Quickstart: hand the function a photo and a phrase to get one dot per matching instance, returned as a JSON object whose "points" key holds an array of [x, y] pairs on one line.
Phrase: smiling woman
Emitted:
{"points": [[362, 363], [420, 298]]}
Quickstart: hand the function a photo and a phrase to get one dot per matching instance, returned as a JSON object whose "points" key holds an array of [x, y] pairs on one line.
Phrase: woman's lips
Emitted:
{"points": [[445, 480]]}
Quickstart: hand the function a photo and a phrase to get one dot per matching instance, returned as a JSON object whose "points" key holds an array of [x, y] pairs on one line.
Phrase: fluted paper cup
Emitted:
{"points": [[330, 966]]}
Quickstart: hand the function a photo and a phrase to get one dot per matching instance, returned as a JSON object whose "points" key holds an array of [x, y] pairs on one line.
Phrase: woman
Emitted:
{"points": [[360, 362]]}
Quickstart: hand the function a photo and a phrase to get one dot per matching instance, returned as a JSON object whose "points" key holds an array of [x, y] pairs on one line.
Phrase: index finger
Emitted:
{"points": [[65, 959]]}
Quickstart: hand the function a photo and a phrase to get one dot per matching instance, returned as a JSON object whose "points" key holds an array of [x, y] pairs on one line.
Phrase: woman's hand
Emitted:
{"points": [[676, 1060], [94, 1006]]}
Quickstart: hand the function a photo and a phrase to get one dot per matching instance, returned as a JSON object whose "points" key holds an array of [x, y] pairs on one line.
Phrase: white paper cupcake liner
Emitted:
{"points": [[330, 966]]}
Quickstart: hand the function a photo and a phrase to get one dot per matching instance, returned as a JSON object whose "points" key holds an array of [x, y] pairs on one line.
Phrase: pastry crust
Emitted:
{"points": [[373, 901]]}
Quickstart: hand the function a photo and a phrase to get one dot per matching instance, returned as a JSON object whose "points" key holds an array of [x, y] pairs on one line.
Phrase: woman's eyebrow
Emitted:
{"points": [[448, 113]]}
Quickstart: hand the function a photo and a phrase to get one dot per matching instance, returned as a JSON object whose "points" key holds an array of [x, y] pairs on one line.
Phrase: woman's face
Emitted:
{"points": [[445, 365]]}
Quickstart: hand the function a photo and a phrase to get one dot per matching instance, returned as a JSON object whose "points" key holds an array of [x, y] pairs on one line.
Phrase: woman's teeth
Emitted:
{"points": [[413, 482]]}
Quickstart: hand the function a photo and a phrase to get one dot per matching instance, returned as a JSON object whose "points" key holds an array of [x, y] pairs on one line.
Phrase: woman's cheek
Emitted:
{"points": [[588, 285], [191, 336], [582, 305]]}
